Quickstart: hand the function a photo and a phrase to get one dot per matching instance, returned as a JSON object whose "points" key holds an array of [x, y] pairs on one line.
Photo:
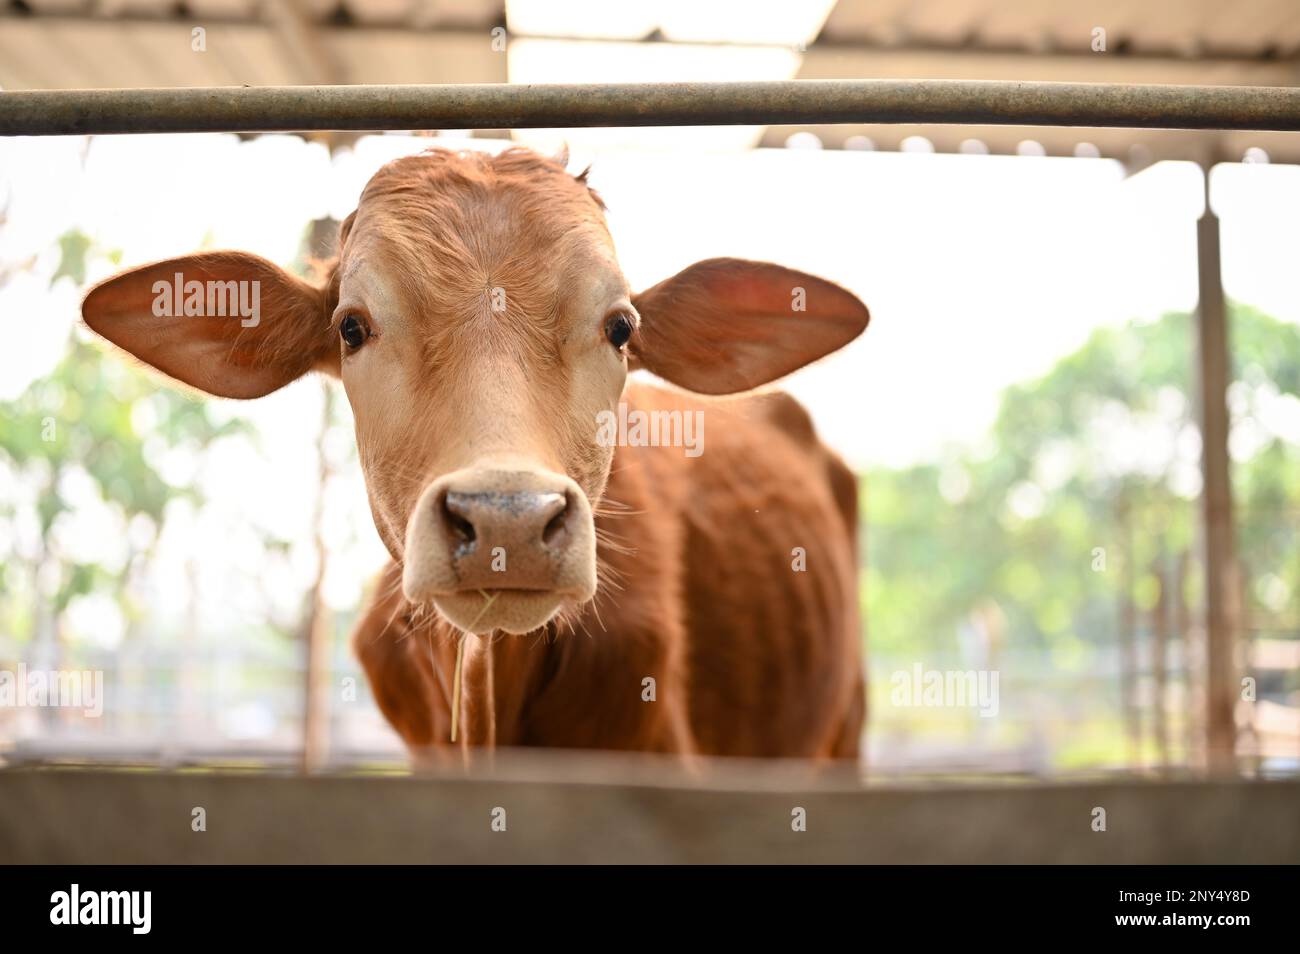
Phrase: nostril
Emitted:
{"points": [[556, 527], [454, 511], [462, 528]]}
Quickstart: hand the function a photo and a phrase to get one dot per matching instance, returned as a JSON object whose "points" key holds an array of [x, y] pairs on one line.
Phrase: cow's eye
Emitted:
{"points": [[353, 331], [618, 329]]}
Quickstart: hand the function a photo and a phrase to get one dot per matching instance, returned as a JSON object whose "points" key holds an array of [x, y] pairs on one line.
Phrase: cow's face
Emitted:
{"points": [[483, 325], [480, 323]]}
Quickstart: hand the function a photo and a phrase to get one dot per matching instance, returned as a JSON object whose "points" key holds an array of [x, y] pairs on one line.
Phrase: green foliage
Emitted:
{"points": [[85, 416], [74, 247], [1087, 491]]}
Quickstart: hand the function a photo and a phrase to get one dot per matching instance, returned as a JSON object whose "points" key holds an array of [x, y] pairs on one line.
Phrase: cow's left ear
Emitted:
{"points": [[725, 324]]}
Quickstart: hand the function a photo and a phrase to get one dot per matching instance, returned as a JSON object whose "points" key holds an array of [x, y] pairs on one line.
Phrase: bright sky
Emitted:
{"points": [[979, 271]]}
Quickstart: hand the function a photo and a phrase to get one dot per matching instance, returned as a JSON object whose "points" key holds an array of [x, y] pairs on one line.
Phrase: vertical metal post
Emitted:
{"points": [[1128, 650], [1221, 610]]}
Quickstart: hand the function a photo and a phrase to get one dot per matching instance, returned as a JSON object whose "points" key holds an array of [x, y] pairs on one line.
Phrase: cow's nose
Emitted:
{"points": [[507, 520], [500, 530]]}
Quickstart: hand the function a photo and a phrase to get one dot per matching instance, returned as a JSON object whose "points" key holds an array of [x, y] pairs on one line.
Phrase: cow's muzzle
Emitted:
{"points": [[500, 549]]}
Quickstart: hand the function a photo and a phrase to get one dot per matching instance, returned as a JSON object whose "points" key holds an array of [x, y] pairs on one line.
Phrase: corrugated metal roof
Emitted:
{"points": [[1246, 43]]}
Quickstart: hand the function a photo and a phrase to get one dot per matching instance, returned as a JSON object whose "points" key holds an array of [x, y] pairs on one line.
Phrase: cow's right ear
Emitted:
{"points": [[229, 323]]}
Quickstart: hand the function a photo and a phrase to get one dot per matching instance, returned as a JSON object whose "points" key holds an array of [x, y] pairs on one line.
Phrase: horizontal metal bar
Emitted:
{"points": [[511, 106]]}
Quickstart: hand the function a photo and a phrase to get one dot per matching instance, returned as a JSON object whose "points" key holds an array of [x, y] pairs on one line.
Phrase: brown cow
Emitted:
{"points": [[685, 599]]}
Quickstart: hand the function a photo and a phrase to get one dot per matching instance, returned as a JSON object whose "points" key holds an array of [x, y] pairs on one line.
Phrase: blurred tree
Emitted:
{"points": [[81, 419], [1079, 516]]}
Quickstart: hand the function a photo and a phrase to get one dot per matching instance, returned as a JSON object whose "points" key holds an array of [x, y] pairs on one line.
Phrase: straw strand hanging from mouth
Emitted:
{"points": [[460, 663]]}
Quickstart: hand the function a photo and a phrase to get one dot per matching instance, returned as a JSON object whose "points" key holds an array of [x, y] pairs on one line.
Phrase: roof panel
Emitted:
{"points": [[402, 56], [380, 11], [857, 19], [226, 9], [944, 21], [1243, 27], [57, 6]]}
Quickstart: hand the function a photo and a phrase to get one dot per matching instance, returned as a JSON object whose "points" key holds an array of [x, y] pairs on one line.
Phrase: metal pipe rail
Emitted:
{"points": [[507, 106]]}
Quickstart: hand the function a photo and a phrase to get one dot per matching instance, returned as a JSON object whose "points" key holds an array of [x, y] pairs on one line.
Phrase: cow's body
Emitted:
{"points": [[749, 656]]}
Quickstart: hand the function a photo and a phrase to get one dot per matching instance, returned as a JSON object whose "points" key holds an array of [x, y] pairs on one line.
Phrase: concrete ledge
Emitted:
{"points": [[97, 817]]}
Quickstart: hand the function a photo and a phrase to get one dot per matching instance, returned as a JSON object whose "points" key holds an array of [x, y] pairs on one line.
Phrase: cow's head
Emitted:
{"points": [[480, 323]]}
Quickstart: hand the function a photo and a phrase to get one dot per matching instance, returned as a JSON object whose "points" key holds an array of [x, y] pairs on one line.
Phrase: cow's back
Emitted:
{"points": [[760, 528]]}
